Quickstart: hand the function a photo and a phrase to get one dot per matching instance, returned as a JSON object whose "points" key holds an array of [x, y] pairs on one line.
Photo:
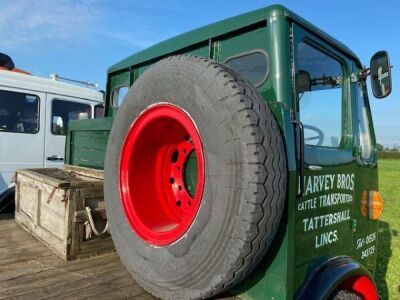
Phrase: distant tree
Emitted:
{"points": [[380, 147]]}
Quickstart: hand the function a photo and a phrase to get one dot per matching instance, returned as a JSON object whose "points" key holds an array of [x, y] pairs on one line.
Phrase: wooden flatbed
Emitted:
{"points": [[29, 270]]}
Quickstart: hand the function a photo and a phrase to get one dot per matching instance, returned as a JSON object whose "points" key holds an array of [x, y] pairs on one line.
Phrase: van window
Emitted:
{"points": [[63, 111], [319, 86], [252, 66], [19, 112], [118, 95], [99, 111]]}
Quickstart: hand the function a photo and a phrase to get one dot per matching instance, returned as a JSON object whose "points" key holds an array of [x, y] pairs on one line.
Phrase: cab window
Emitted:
{"points": [[19, 112], [253, 66], [319, 86], [63, 111], [363, 123], [118, 95]]}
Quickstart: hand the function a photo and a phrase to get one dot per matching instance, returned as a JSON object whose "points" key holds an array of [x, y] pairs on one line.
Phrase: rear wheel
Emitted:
{"points": [[195, 178]]}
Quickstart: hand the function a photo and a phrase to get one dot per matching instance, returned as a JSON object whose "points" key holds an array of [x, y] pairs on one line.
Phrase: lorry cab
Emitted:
{"points": [[34, 116], [316, 89]]}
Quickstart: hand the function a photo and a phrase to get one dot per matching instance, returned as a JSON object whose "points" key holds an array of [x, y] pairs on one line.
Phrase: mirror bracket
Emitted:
{"points": [[355, 77], [361, 75]]}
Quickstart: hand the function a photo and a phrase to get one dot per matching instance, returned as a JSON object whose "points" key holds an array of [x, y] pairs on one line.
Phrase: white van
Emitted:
{"points": [[34, 114]]}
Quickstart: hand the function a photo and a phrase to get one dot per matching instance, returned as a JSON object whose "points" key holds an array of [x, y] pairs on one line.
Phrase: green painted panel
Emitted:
{"points": [[87, 142], [200, 51]]}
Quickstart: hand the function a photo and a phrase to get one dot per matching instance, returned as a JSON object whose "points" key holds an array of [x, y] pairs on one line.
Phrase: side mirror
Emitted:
{"points": [[381, 78]]}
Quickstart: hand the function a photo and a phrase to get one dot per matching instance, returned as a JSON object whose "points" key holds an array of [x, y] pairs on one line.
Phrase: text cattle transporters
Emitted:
{"points": [[241, 157]]}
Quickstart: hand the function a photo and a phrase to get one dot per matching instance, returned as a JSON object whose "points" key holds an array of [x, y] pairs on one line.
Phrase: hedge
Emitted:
{"points": [[388, 155]]}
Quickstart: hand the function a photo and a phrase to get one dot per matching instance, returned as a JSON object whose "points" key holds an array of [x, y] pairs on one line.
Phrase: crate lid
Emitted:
{"points": [[61, 178]]}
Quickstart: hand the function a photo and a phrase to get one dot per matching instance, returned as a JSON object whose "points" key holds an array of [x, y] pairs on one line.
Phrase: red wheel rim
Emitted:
{"points": [[160, 158]]}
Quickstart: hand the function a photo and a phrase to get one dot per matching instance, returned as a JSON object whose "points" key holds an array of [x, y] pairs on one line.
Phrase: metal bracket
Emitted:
{"points": [[354, 77]]}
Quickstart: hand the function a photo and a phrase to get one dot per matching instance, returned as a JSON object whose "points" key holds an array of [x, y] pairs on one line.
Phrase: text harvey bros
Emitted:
{"points": [[331, 194]]}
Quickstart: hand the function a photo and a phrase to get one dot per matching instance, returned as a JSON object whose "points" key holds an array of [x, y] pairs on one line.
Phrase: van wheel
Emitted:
{"points": [[195, 178]]}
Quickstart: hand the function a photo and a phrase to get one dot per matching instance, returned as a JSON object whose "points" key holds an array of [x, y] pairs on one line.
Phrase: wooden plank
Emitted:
{"points": [[81, 289], [41, 177], [125, 292], [19, 258], [58, 245], [56, 283], [49, 177], [75, 234], [96, 247], [119, 288], [93, 173]]}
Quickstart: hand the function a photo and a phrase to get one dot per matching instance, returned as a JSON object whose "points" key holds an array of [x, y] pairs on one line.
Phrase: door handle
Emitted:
{"points": [[55, 158], [300, 155]]}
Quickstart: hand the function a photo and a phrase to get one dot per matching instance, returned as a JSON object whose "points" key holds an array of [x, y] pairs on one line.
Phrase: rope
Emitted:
{"points": [[92, 225]]}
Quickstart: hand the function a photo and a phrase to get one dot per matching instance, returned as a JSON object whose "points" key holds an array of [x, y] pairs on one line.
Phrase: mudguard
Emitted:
{"points": [[338, 272]]}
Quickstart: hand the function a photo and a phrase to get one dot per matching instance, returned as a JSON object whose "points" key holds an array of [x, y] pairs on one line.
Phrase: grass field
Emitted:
{"points": [[388, 264]]}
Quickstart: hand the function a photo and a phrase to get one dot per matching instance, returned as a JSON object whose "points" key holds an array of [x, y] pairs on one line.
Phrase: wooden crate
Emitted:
{"points": [[51, 204]]}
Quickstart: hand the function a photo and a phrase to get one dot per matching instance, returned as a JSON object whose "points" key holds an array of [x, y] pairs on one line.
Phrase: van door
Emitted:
{"points": [[324, 213], [21, 132], [60, 110]]}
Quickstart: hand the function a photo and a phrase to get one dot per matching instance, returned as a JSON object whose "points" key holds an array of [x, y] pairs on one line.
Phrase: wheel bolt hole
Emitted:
{"points": [[179, 203], [180, 188], [189, 203], [186, 137], [179, 168], [171, 180], [174, 156]]}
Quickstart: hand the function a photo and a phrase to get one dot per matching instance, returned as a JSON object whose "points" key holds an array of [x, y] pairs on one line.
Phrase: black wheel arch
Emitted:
{"points": [[330, 275], [7, 200]]}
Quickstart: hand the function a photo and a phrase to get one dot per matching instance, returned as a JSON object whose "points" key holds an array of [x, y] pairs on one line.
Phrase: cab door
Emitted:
{"points": [[60, 110], [323, 113], [365, 239]]}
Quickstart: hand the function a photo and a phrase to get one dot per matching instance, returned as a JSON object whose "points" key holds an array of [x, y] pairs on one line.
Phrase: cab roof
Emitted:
{"points": [[217, 29], [34, 83]]}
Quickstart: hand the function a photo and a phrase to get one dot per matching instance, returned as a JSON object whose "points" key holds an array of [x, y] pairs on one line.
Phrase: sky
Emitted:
{"points": [[80, 39]]}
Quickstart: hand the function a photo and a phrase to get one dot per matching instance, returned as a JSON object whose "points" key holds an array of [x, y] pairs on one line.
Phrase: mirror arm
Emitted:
{"points": [[363, 73]]}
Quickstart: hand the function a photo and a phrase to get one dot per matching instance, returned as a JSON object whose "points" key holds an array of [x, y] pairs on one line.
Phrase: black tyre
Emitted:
{"points": [[239, 183]]}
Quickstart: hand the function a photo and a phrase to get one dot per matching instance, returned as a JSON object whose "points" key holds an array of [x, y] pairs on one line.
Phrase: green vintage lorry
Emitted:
{"points": [[241, 157]]}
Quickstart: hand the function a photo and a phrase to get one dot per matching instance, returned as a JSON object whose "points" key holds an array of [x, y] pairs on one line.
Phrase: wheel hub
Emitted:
{"points": [[161, 174]]}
